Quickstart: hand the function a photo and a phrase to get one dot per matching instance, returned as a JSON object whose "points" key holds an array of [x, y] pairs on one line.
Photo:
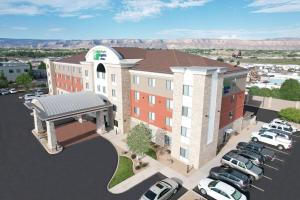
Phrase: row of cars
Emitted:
{"points": [[8, 91], [244, 165]]}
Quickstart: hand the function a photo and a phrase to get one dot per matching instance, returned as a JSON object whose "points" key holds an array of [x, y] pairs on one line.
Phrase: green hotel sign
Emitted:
{"points": [[99, 55]]}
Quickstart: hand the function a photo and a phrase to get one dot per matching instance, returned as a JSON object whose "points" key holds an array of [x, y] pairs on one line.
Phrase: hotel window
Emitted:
{"points": [[151, 82], [186, 112], [187, 90], [169, 85], [185, 132], [68, 68], [169, 104], [98, 74], [168, 121], [151, 116], [151, 99], [136, 79], [74, 69], [136, 111], [113, 78], [230, 115], [98, 88], [86, 72], [184, 152], [136, 95], [87, 86], [113, 92], [79, 70], [104, 89], [103, 75], [114, 108], [232, 98]]}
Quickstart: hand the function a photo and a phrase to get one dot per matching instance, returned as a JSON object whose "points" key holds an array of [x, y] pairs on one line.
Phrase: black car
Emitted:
{"points": [[256, 148], [257, 159], [231, 176]]}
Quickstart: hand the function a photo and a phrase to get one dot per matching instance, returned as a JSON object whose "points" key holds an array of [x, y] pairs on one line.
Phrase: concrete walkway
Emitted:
{"points": [[189, 181]]}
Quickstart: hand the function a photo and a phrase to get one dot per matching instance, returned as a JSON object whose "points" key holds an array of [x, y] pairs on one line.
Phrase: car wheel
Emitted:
{"points": [[254, 139], [203, 191], [280, 147], [226, 165], [175, 191]]}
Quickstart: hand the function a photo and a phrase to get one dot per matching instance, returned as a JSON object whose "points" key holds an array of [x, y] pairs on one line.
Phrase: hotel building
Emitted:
{"points": [[187, 101]]}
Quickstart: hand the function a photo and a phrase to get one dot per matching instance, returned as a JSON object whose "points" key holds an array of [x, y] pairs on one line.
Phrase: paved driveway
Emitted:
{"points": [[27, 172]]}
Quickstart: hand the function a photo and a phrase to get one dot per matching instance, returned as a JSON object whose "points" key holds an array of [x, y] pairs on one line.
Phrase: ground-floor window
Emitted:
{"points": [[183, 152], [116, 123], [167, 140]]}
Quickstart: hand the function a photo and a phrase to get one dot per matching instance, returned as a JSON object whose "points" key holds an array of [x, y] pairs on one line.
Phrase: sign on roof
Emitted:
{"points": [[99, 55]]}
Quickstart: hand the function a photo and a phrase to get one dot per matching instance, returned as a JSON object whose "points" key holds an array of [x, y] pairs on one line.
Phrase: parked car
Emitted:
{"points": [[162, 190], [231, 176], [268, 154], [285, 128], [219, 190], [242, 164], [283, 122], [4, 91], [272, 139], [29, 97], [13, 91], [284, 134], [257, 159]]}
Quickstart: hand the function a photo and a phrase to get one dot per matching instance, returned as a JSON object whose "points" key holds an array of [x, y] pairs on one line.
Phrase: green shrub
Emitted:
{"points": [[290, 114], [151, 153]]}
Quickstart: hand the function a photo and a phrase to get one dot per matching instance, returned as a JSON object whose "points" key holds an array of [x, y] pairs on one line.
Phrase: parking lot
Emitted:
{"points": [[281, 175]]}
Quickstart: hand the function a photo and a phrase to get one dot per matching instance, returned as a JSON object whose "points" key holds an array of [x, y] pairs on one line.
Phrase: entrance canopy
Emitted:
{"points": [[67, 105]]}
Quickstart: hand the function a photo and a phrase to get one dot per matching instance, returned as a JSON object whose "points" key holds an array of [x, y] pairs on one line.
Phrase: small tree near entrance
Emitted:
{"points": [[139, 139]]}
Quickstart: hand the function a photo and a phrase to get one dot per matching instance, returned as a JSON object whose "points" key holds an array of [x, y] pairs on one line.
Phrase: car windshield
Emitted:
{"points": [[249, 164], [213, 184], [150, 195], [236, 195]]}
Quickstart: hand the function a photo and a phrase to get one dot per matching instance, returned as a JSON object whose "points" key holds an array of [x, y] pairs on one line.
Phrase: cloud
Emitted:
{"points": [[19, 28], [56, 29], [62, 7], [135, 10], [231, 34], [85, 16], [275, 6]]}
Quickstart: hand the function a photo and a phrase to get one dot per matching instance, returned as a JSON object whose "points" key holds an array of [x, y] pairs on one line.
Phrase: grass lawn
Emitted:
{"points": [[124, 171], [151, 153]]}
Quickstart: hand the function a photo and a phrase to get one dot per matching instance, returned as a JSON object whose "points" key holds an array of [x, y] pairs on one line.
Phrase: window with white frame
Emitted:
{"points": [[103, 89], [184, 152], [136, 111], [98, 74], [168, 121], [151, 82], [113, 92], [136, 95], [185, 132], [87, 86], [186, 111], [103, 75], [151, 99], [113, 78], [169, 84], [151, 116], [79, 70], [169, 104], [98, 88], [136, 79], [86, 72], [187, 90]]}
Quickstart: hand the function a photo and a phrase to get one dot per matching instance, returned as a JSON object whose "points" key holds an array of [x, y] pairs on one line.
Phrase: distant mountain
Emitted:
{"points": [[271, 44]]}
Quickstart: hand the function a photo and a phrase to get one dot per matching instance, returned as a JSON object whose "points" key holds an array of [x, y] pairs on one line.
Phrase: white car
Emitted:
{"points": [[283, 122], [13, 91], [281, 127], [272, 138], [29, 97], [219, 190]]}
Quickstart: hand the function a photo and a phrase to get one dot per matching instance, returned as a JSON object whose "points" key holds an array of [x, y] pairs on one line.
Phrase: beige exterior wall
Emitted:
{"points": [[160, 83], [89, 79], [51, 76], [68, 69]]}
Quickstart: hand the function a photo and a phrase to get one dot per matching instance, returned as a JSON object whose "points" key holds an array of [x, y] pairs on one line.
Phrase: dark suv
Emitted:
{"points": [[256, 148], [231, 176], [257, 159]]}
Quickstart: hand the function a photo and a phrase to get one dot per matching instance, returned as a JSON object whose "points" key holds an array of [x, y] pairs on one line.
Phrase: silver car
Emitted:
{"points": [[162, 190]]}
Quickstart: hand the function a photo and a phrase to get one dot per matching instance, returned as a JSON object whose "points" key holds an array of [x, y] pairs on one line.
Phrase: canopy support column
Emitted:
{"points": [[38, 127], [100, 125], [51, 136]]}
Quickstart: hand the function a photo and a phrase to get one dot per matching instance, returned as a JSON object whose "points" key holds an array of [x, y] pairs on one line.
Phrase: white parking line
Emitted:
{"points": [[271, 167], [267, 177], [258, 188], [279, 159], [278, 150]]}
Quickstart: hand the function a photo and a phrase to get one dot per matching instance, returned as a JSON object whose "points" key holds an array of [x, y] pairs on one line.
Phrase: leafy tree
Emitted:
{"points": [[24, 79], [290, 90], [3, 81], [139, 139], [42, 65], [290, 114], [30, 72]]}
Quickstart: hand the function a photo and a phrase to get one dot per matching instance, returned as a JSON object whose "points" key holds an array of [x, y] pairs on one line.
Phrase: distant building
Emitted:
{"points": [[13, 69]]}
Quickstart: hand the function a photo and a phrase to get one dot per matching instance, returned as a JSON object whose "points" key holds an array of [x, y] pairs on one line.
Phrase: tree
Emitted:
{"points": [[42, 65], [290, 114], [30, 72], [3, 81], [139, 139], [220, 59], [290, 90], [24, 79]]}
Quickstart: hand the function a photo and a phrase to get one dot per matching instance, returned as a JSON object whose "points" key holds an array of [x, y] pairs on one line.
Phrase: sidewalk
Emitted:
{"points": [[189, 181]]}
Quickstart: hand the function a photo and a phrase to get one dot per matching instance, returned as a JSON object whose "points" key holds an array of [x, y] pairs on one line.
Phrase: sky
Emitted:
{"points": [[149, 19]]}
